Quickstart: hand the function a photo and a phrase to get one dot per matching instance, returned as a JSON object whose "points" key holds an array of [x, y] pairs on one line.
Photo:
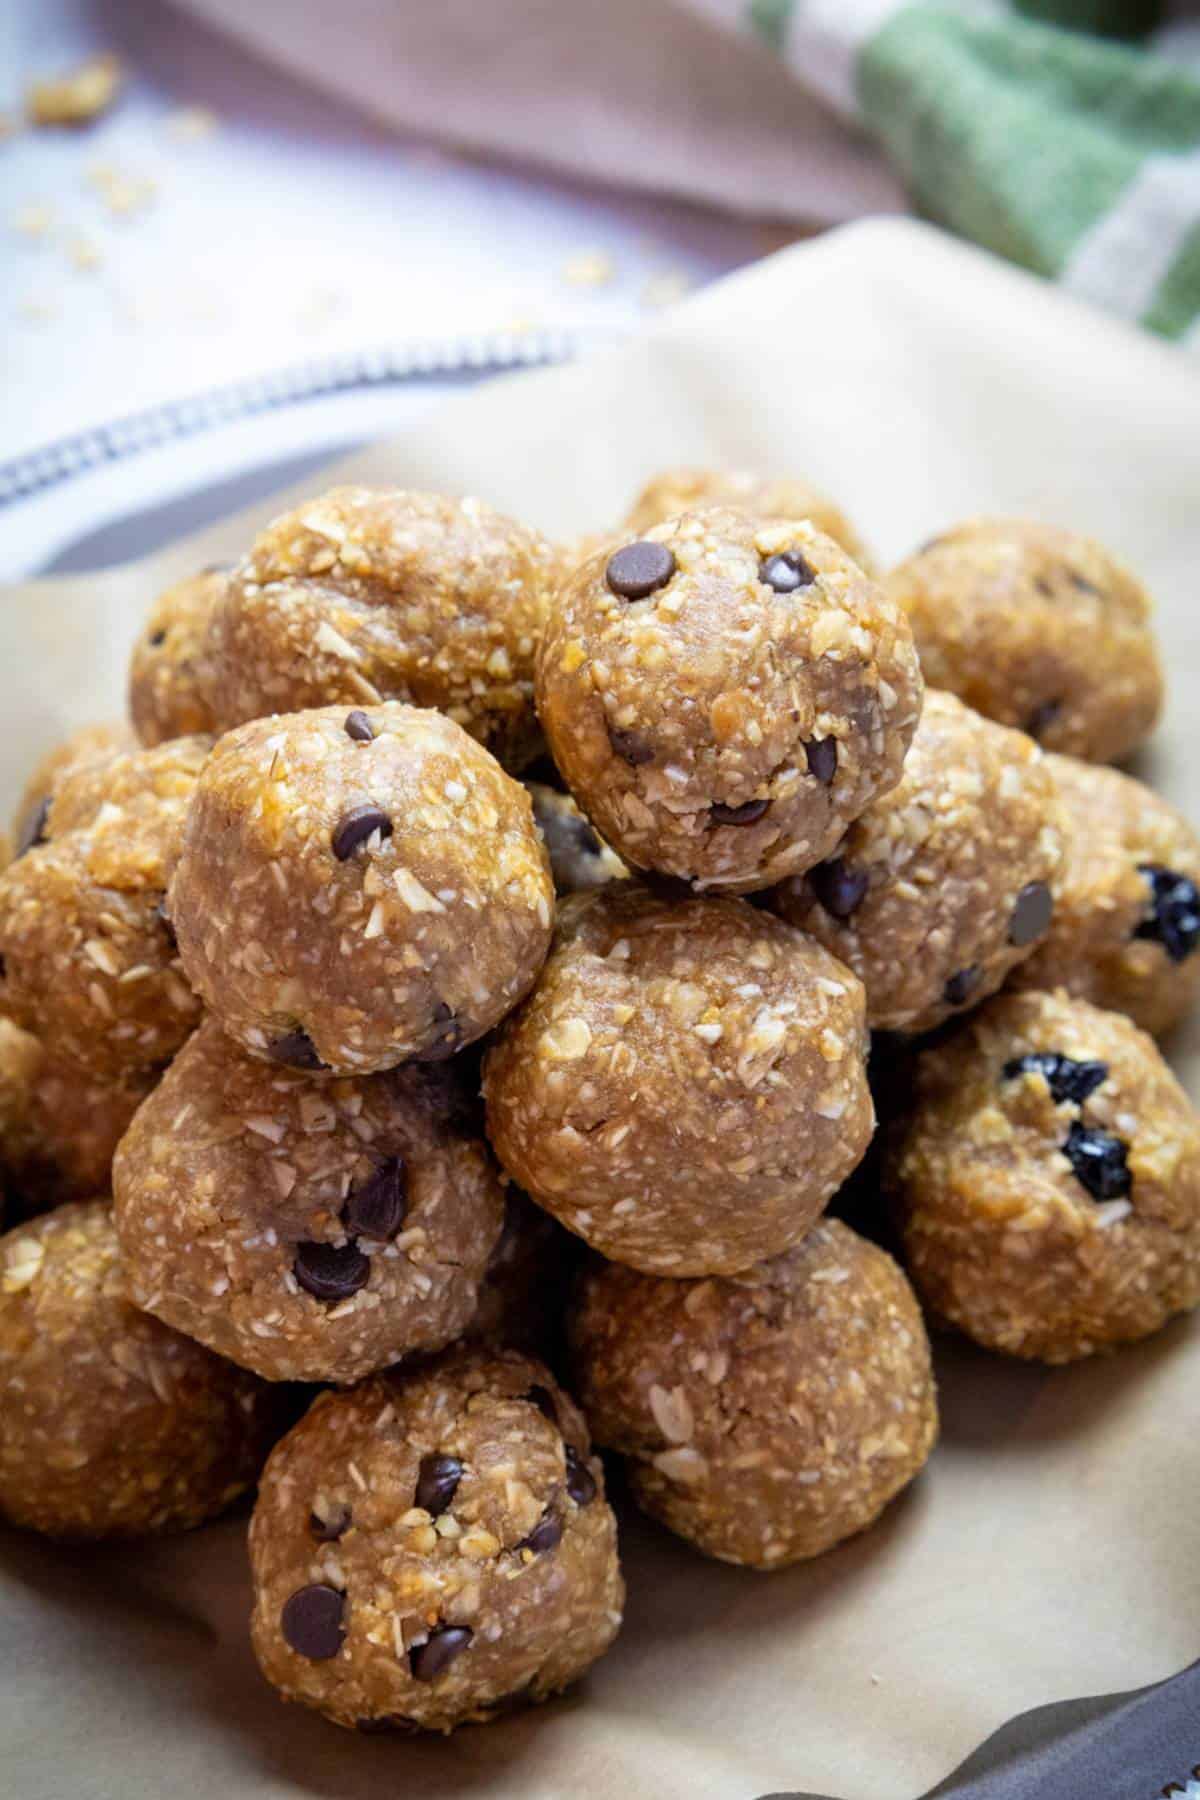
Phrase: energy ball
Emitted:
{"points": [[359, 889], [434, 1548], [686, 1086], [310, 1231], [91, 742], [88, 962], [523, 1293], [579, 857], [724, 696], [1126, 927], [1039, 628], [766, 1416], [677, 491], [945, 884], [170, 677], [1047, 1180], [362, 596], [58, 1126], [114, 1426]]}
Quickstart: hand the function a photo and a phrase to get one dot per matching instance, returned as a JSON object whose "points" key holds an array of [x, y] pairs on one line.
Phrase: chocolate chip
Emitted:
{"points": [[355, 827], [1100, 1162], [786, 572], [960, 987], [33, 831], [822, 754], [311, 1621], [1067, 1079], [1042, 717], [359, 727], [437, 1483], [295, 1050], [1084, 585], [331, 1271], [1031, 915], [639, 569], [1174, 917], [543, 1399], [386, 1725], [581, 1483], [157, 639], [433, 1658], [544, 1536], [840, 890], [631, 748], [164, 919], [376, 1209], [745, 814], [446, 1039], [328, 1531]]}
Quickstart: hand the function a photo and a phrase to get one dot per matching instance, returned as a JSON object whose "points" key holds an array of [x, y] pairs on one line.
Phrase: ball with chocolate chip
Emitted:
{"points": [[724, 696], [944, 885], [675, 491], [434, 1548], [359, 888], [685, 1088], [89, 963], [90, 743], [309, 1230], [1047, 1180], [114, 1426], [361, 596], [170, 674], [1126, 927], [1039, 628], [579, 857], [765, 1416]]}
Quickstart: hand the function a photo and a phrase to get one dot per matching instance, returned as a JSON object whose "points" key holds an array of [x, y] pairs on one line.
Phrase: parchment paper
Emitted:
{"points": [[1052, 1548]]}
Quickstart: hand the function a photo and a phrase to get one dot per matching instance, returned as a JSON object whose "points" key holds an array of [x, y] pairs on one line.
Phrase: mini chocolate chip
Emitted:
{"points": [[157, 639], [437, 1482], [1031, 915], [359, 727], [1042, 717], [447, 1037], [33, 831], [295, 1050], [311, 1621], [331, 1271], [581, 1483], [544, 1536], [786, 572], [745, 814], [164, 919], [631, 748], [543, 1399], [376, 1209], [1067, 1079], [1174, 917], [433, 1658], [387, 1724], [1100, 1162], [1084, 585], [356, 826], [841, 891], [328, 1531], [961, 986], [822, 754], [639, 569]]}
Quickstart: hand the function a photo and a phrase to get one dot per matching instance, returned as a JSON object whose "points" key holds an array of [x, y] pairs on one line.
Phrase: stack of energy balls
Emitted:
{"points": [[457, 888]]}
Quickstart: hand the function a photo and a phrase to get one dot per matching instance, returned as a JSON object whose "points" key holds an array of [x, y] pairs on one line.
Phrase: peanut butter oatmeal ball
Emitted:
{"points": [[170, 676], [725, 696], [1036, 627], [686, 1086], [311, 1231], [945, 884], [434, 1548], [1047, 1180], [1126, 927], [90, 742], [114, 1426], [677, 491], [362, 596], [522, 1296], [579, 857], [88, 962], [358, 889], [766, 1416]]}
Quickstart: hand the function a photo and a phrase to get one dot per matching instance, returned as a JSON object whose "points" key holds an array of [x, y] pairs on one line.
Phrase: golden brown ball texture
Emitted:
{"points": [[101, 742], [676, 491], [170, 672], [1047, 1180]]}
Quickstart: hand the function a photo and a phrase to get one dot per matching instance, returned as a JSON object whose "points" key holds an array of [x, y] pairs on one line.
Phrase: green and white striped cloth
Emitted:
{"points": [[1054, 144]]}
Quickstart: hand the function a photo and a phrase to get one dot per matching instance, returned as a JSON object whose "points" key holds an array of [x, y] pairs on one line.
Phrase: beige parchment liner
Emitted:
{"points": [[1052, 1548]]}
